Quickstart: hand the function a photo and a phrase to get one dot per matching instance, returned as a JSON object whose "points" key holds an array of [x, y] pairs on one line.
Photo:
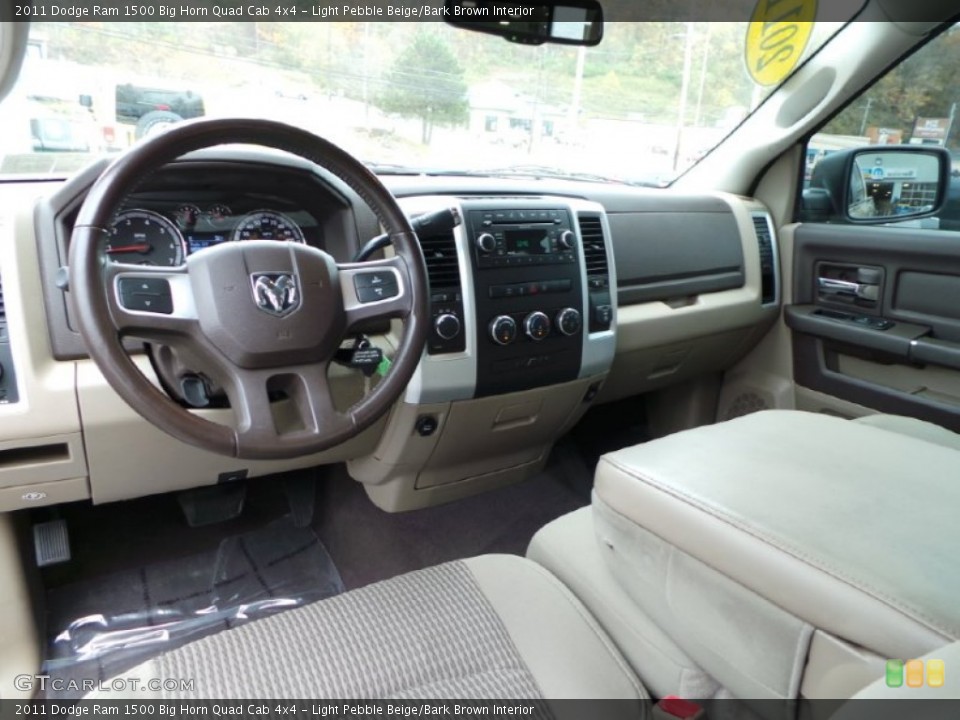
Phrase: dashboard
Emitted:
{"points": [[549, 297]]}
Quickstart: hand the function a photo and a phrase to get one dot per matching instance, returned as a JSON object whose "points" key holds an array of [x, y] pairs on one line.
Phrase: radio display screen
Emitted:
{"points": [[527, 241]]}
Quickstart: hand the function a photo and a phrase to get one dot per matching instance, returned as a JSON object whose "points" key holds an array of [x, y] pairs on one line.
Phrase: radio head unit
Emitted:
{"points": [[505, 238]]}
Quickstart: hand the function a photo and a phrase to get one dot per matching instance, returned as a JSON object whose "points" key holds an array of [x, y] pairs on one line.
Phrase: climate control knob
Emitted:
{"points": [[568, 240], [447, 326], [536, 325], [568, 321], [503, 330], [486, 242]]}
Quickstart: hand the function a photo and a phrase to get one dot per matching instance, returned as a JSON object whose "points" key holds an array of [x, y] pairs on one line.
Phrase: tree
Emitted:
{"points": [[426, 82]]}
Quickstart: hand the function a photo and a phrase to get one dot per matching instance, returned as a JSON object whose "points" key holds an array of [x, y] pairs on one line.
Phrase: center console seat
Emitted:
{"points": [[782, 554]]}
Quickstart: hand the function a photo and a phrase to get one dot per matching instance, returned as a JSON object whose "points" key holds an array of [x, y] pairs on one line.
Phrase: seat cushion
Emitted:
{"points": [[568, 548], [492, 627], [782, 521]]}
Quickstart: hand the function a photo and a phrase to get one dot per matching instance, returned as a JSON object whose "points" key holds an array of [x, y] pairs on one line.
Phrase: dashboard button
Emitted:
{"points": [[569, 321], [536, 325], [503, 330], [447, 326]]}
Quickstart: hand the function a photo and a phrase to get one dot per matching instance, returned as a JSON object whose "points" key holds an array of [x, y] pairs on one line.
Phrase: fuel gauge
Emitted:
{"points": [[187, 216]]}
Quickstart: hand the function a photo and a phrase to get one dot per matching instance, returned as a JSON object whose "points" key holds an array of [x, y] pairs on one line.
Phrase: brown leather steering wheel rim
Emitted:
{"points": [[93, 313]]}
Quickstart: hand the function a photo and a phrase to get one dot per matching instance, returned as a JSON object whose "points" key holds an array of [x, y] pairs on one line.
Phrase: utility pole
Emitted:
{"points": [[684, 88], [866, 112], [574, 118], [703, 75], [946, 135]]}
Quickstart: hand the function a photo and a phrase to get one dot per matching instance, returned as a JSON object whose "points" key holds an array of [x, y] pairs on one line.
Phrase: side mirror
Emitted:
{"points": [[566, 22], [880, 184]]}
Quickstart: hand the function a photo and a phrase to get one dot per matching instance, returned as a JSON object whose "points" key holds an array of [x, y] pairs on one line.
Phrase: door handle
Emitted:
{"points": [[848, 288]]}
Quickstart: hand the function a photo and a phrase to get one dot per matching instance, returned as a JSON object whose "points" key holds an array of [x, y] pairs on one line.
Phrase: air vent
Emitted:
{"points": [[768, 260], [594, 248], [3, 308], [443, 268], [598, 273]]}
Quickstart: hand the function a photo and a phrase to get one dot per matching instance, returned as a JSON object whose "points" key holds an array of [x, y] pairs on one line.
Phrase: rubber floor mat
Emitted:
{"points": [[100, 627]]}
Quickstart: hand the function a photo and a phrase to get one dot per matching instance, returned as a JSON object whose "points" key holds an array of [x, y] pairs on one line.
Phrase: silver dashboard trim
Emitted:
{"points": [[452, 377]]}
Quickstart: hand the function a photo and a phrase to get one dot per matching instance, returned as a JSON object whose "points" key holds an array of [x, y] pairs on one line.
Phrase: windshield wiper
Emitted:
{"points": [[512, 171], [537, 172], [382, 168]]}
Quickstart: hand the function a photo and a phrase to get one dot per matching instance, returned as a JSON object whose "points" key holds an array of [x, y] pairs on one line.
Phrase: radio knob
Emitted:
{"points": [[486, 242], [447, 326], [568, 321], [503, 330], [536, 325], [568, 240]]}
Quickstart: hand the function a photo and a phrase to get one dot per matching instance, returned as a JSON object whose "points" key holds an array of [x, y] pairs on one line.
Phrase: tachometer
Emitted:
{"points": [[268, 225], [142, 237]]}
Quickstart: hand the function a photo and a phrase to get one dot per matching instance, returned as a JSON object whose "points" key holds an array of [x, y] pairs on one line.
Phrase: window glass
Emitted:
{"points": [[915, 103]]}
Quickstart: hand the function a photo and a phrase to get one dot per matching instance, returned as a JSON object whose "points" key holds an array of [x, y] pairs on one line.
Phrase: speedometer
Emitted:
{"points": [[141, 237], [268, 225]]}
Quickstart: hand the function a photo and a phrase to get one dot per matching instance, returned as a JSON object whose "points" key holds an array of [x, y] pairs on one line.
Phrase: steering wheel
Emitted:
{"points": [[263, 319]]}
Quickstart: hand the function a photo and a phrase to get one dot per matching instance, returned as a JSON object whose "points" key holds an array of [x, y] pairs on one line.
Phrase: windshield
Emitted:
{"points": [[640, 108]]}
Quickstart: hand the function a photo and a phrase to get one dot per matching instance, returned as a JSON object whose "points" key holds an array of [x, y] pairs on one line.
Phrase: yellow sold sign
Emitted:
{"points": [[778, 34]]}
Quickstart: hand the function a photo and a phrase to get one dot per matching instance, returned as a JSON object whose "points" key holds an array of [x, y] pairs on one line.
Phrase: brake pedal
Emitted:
{"points": [[51, 542]]}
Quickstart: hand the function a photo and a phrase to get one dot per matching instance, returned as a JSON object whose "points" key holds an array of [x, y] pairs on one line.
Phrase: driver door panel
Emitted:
{"points": [[876, 318]]}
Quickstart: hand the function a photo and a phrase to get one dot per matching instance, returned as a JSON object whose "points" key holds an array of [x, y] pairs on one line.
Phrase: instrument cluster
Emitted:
{"points": [[166, 237]]}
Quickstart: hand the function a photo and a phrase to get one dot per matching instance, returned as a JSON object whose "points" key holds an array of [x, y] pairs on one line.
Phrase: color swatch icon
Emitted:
{"points": [[911, 673]]}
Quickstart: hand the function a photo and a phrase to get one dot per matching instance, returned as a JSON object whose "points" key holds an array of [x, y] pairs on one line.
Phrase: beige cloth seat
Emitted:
{"points": [[491, 627], [567, 547], [746, 539]]}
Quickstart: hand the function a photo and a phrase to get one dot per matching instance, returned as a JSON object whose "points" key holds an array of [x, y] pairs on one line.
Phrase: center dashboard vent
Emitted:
{"points": [[446, 297], [443, 267], [598, 272], [768, 259], [594, 248]]}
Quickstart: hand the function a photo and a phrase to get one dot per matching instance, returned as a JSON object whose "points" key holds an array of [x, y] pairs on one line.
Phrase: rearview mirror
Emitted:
{"points": [[881, 184], [567, 22]]}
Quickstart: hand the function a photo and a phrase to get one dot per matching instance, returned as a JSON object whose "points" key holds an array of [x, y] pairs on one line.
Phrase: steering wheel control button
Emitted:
{"points": [[503, 330], [146, 295], [537, 326], [568, 321], [374, 279], [447, 326], [375, 286]]}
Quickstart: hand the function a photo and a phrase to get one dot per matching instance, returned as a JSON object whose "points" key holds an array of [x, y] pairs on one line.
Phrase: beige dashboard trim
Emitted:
{"points": [[47, 404], [18, 632], [678, 339]]}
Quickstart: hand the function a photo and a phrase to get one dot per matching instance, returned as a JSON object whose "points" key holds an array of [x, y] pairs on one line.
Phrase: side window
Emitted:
{"points": [[915, 104]]}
